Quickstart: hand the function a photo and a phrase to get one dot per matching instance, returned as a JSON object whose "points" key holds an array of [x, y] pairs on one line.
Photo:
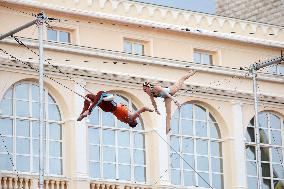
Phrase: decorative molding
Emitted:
{"points": [[170, 21]]}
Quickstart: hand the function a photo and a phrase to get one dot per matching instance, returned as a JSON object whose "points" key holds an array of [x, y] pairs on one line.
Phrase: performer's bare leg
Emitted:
{"points": [[178, 85], [168, 104], [137, 113]]}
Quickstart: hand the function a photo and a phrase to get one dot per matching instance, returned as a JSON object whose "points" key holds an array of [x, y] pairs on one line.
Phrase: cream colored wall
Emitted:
{"points": [[162, 44]]}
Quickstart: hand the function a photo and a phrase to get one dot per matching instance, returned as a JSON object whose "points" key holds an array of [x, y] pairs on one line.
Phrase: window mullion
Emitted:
{"points": [[100, 143], [14, 132]]}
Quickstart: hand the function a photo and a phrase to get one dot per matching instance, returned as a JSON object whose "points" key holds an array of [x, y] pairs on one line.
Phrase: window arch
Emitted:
{"points": [[116, 151], [195, 135], [19, 128], [271, 150]]}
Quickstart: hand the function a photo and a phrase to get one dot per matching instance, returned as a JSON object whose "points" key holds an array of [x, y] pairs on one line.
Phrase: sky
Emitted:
{"points": [[206, 6]]}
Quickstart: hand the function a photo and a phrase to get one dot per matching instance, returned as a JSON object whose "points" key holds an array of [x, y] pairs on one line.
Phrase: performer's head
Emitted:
{"points": [[146, 87], [132, 123]]}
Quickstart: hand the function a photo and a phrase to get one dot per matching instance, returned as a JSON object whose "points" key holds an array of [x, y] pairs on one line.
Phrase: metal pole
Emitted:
{"points": [[18, 29], [256, 124], [41, 98]]}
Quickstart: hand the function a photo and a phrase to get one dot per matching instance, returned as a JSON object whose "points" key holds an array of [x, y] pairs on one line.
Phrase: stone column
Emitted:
{"points": [[239, 154]]}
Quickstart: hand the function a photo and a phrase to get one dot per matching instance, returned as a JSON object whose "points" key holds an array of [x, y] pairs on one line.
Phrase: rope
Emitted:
{"points": [[30, 66], [183, 159], [56, 67]]}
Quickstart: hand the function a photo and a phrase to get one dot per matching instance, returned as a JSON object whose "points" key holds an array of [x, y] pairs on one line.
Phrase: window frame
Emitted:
{"points": [[202, 54], [58, 30], [31, 120], [133, 42], [116, 129], [194, 138]]}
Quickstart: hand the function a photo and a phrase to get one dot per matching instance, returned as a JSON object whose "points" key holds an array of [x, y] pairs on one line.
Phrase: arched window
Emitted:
{"points": [[271, 150], [19, 129], [195, 135], [116, 151]]}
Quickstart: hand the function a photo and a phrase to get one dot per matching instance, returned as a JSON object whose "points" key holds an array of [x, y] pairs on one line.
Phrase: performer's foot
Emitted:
{"points": [[83, 115], [149, 109], [168, 129]]}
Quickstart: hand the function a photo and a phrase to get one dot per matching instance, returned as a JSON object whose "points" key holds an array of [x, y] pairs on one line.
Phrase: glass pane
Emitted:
{"points": [[197, 57], [94, 169], [174, 126], [263, 120], [217, 181], [189, 178], [53, 112], [266, 184], [207, 59], [35, 109], [201, 128], [278, 171], [35, 164], [23, 128], [124, 172], [109, 171], [55, 166], [175, 143], [6, 144], [94, 153], [250, 136], [94, 117], [264, 153], [217, 165], [6, 107], [200, 113], [202, 163], [202, 147], [189, 162], [139, 140], [276, 137], [175, 177], [275, 122], [22, 146], [55, 149], [264, 137], [138, 49], [22, 91], [216, 149], [186, 111], [250, 151], [52, 35], [35, 92], [6, 126], [94, 135], [22, 108], [35, 126], [186, 127], [124, 155], [175, 160], [64, 37], [127, 47], [272, 69], [23, 163], [214, 130], [252, 182], [265, 169], [140, 174], [109, 154], [35, 147], [277, 155], [187, 145], [123, 138], [251, 168], [108, 119], [280, 69], [6, 163], [55, 131], [108, 137], [203, 180], [139, 157]]}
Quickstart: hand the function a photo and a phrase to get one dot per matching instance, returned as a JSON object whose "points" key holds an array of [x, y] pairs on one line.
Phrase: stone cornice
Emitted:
{"points": [[135, 82], [169, 19], [125, 57]]}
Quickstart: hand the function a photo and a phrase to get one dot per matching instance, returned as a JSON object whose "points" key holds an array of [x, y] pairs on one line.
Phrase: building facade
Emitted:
{"points": [[269, 11], [117, 45]]}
